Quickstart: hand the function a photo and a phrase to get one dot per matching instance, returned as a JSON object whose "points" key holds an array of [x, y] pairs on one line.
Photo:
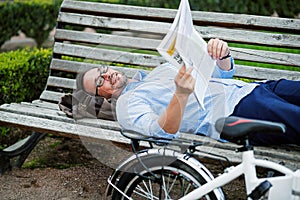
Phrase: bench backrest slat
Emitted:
{"points": [[199, 17], [151, 44], [90, 34], [107, 55], [145, 26]]}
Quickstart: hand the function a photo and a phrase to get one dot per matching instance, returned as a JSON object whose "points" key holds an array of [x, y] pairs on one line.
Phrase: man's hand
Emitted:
{"points": [[218, 49], [184, 81], [170, 120]]}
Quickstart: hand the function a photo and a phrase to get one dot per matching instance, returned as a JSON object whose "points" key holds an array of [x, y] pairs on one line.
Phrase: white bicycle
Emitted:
{"points": [[164, 173]]}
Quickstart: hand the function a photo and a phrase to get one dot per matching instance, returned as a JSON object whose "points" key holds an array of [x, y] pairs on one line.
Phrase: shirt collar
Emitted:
{"points": [[139, 77]]}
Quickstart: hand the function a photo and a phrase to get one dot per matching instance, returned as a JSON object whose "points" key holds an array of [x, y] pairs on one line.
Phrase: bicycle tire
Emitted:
{"points": [[181, 170]]}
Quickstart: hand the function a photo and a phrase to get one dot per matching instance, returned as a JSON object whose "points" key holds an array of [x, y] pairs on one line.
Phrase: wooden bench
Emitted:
{"points": [[128, 36]]}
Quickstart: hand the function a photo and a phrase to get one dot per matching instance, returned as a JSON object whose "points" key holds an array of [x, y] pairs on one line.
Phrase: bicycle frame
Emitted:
{"points": [[283, 187]]}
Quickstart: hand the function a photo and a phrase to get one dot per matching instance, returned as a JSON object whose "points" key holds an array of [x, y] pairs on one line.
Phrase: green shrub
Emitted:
{"points": [[35, 18], [8, 25], [23, 74]]}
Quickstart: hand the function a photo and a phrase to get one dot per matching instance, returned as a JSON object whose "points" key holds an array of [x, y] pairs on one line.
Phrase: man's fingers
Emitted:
{"points": [[187, 73], [225, 50], [181, 72], [217, 48], [209, 47]]}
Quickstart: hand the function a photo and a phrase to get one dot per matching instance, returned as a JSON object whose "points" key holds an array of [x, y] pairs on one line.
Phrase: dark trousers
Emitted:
{"points": [[277, 101]]}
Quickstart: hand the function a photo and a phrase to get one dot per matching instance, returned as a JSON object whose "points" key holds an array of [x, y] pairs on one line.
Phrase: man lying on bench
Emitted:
{"points": [[160, 103]]}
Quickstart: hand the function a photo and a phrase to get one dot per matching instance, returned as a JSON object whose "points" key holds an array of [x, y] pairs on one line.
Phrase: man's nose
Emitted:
{"points": [[106, 76]]}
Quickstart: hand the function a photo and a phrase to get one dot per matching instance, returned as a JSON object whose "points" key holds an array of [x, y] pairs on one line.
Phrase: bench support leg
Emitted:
{"points": [[21, 150]]}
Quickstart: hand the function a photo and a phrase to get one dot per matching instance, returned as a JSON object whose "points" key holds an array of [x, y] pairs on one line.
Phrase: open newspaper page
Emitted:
{"points": [[184, 45]]}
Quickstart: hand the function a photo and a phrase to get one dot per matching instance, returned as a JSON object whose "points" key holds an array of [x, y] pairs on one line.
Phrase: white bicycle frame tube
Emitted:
{"points": [[281, 186]]}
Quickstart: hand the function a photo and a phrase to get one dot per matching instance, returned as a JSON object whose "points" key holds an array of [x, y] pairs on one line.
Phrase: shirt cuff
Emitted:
{"points": [[219, 73]]}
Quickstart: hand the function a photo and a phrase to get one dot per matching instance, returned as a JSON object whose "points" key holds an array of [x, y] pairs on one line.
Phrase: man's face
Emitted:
{"points": [[111, 81]]}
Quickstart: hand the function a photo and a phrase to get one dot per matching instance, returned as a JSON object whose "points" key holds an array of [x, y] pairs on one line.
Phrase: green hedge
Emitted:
{"points": [[35, 18], [23, 74]]}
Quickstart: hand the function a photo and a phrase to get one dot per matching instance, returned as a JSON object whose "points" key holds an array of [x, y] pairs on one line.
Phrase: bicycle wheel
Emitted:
{"points": [[162, 177]]}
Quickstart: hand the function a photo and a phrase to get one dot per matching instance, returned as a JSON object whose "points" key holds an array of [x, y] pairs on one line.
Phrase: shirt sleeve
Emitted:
{"points": [[219, 73], [141, 119]]}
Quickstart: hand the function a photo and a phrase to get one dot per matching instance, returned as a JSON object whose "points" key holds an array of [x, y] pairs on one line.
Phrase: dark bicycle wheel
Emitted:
{"points": [[163, 177]]}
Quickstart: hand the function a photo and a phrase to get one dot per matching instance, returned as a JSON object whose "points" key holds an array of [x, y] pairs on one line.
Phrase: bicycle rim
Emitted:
{"points": [[168, 182]]}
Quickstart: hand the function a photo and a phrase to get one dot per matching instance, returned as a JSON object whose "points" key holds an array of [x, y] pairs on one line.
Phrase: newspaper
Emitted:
{"points": [[184, 45]]}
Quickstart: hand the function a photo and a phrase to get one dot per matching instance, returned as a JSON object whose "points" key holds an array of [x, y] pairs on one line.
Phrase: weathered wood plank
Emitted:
{"points": [[108, 55], [35, 111], [86, 129], [56, 115], [61, 82], [153, 61], [61, 128], [39, 114], [272, 57], [106, 39], [242, 71], [75, 67], [152, 44], [260, 73], [198, 16], [43, 104], [228, 34], [51, 96], [250, 37]]}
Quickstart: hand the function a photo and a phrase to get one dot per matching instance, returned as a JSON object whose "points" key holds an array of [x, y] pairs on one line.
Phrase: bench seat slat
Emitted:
{"points": [[86, 131], [43, 104], [36, 111], [228, 34], [65, 129], [229, 19], [28, 112], [48, 113]]}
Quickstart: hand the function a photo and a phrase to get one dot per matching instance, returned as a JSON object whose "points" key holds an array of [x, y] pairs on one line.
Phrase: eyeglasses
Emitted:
{"points": [[100, 79]]}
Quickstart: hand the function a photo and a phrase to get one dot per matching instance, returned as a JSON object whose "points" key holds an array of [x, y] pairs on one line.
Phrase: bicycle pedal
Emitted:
{"points": [[260, 191]]}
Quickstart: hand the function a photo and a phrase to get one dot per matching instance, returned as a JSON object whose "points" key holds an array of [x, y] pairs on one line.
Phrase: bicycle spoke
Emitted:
{"points": [[147, 193], [164, 188], [173, 183], [170, 182], [187, 188]]}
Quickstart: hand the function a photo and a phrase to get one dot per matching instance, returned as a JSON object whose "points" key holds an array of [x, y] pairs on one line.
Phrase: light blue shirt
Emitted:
{"points": [[141, 103]]}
